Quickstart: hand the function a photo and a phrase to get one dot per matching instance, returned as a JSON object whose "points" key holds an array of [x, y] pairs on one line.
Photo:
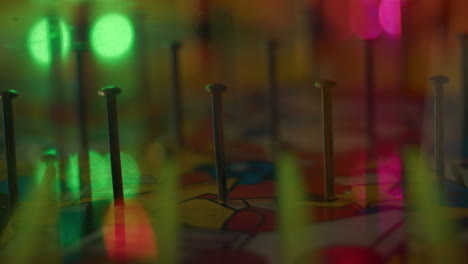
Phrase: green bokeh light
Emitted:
{"points": [[429, 222], [101, 174], [73, 175], [112, 35], [39, 41], [292, 215]]}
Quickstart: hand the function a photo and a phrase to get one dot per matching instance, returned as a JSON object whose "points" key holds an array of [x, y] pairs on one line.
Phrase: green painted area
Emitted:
{"points": [[112, 36], [40, 37]]}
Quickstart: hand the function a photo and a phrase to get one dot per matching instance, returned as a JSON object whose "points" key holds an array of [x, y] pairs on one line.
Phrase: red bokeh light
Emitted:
{"points": [[364, 18], [128, 234]]}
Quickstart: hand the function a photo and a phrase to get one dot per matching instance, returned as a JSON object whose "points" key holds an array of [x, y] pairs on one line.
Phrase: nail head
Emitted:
{"points": [[50, 155], [325, 84], [176, 45], [8, 94], [109, 90], [273, 43], [213, 88], [439, 79]]}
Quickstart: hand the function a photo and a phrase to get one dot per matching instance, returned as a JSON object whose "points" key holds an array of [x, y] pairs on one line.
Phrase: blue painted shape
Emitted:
{"points": [[71, 230], [465, 148], [24, 185], [24, 182], [380, 208], [370, 210], [456, 195], [71, 223], [450, 186], [248, 172]]}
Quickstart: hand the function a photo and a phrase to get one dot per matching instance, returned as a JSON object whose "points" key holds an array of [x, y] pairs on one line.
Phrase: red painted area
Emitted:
{"points": [[321, 214], [349, 255], [195, 177], [128, 234], [252, 220], [264, 189], [227, 257], [315, 182]]}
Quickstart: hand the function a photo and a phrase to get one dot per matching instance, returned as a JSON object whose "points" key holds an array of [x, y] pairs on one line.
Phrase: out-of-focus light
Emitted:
{"points": [[112, 36], [48, 175], [39, 40], [292, 216], [364, 18], [73, 174], [336, 18], [128, 234], [390, 17], [101, 174]]}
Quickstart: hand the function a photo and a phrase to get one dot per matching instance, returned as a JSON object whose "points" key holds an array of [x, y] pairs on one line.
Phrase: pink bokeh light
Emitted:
{"points": [[390, 17]]}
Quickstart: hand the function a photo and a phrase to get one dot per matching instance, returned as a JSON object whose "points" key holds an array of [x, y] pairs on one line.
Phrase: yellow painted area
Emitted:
{"points": [[88, 199], [204, 214], [367, 194], [147, 200], [186, 193], [342, 200], [105, 195]]}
